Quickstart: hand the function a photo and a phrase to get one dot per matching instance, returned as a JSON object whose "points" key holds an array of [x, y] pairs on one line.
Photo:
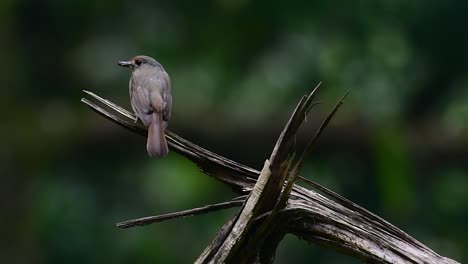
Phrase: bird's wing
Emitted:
{"points": [[140, 100], [167, 97]]}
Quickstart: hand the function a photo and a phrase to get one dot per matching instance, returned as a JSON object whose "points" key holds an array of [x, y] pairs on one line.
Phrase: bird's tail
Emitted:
{"points": [[156, 144]]}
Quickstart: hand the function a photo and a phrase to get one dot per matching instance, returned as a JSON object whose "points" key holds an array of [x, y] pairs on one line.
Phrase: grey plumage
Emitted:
{"points": [[151, 99]]}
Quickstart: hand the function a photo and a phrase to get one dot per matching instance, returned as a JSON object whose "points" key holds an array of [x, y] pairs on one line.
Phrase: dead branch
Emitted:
{"points": [[191, 212], [275, 206]]}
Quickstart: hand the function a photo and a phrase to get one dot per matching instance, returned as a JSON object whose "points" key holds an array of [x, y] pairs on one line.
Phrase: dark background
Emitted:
{"points": [[398, 146]]}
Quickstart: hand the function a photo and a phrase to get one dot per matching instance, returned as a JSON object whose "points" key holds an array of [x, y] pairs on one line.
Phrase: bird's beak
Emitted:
{"points": [[125, 63]]}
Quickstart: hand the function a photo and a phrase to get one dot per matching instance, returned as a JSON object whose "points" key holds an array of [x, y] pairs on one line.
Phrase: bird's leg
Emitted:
{"points": [[136, 119]]}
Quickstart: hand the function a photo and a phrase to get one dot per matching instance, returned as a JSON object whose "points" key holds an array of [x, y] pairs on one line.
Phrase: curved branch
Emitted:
{"points": [[330, 220]]}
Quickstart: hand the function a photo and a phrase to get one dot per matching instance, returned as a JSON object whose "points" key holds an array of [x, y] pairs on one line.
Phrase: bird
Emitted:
{"points": [[150, 89]]}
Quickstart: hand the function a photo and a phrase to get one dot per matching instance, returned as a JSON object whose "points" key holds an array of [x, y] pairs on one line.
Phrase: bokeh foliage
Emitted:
{"points": [[398, 146]]}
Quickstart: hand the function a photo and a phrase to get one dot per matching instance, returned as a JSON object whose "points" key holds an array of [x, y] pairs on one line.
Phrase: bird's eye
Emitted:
{"points": [[138, 62]]}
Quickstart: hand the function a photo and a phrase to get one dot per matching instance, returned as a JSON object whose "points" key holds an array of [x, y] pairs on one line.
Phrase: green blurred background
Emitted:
{"points": [[398, 146]]}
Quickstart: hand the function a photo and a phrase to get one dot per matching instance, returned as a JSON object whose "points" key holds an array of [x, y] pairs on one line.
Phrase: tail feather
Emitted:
{"points": [[156, 144]]}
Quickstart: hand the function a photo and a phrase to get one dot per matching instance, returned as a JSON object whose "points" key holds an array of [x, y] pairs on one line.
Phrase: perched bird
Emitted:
{"points": [[151, 100]]}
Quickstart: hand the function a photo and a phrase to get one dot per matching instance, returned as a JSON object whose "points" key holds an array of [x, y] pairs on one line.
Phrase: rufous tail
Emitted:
{"points": [[156, 144]]}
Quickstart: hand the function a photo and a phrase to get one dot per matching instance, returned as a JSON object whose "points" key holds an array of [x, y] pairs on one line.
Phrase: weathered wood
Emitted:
{"points": [[228, 250], [191, 212], [329, 220]]}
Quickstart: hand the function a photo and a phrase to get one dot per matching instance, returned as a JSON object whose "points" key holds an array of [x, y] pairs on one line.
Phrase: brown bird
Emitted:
{"points": [[151, 100]]}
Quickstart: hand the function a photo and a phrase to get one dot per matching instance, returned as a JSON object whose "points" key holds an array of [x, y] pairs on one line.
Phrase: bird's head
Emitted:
{"points": [[139, 61]]}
